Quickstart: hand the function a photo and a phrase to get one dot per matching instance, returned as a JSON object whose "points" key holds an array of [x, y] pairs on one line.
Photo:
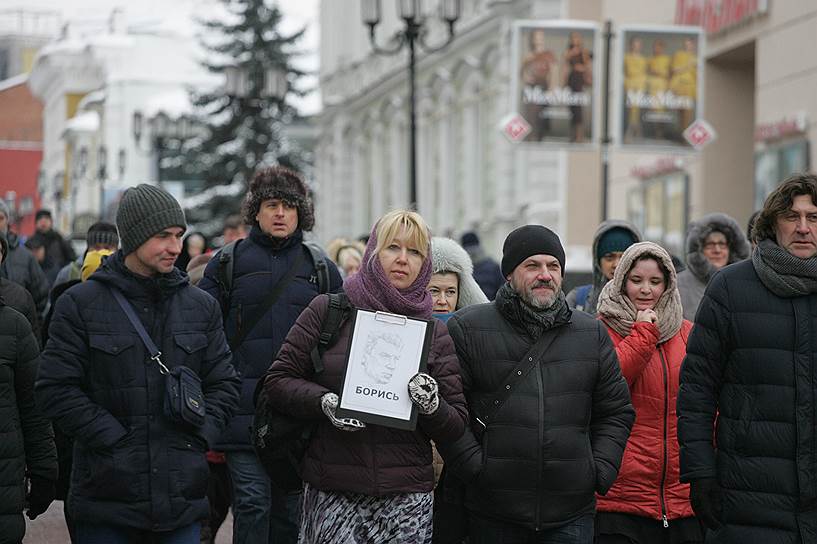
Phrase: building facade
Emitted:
{"points": [[757, 96]]}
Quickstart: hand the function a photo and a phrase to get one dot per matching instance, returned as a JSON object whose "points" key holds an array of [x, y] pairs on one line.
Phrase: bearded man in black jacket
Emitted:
{"points": [[551, 412]]}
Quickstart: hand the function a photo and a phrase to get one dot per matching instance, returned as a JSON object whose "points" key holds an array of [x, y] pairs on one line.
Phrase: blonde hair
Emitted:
{"points": [[416, 230]]}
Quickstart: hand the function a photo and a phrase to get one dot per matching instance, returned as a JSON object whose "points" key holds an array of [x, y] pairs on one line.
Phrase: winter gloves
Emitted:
{"points": [[424, 392], [40, 496], [329, 403], [705, 496], [422, 389]]}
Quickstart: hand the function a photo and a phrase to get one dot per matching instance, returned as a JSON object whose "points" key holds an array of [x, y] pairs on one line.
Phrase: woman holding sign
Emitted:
{"points": [[372, 482]]}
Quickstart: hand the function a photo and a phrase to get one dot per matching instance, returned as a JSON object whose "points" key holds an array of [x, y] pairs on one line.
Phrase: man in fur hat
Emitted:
{"points": [[279, 209]]}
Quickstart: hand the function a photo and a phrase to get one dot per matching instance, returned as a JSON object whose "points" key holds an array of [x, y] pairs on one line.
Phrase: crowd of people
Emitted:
{"points": [[657, 404]]}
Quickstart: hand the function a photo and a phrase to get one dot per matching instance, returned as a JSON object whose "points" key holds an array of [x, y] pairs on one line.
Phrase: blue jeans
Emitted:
{"points": [[488, 531], [92, 533], [261, 513]]}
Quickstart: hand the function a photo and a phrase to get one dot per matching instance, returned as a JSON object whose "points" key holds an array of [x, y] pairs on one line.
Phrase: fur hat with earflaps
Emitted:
{"points": [[285, 184]]}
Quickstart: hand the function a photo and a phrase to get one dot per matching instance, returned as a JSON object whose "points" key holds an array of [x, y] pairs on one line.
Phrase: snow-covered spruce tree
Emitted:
{"points": [[243, 133]]}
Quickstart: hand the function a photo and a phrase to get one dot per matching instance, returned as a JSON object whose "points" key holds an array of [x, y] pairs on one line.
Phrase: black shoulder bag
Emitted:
{"points": [[184, 400]]}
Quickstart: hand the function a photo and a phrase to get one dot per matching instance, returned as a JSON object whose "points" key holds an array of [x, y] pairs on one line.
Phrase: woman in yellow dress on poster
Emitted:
{"points": [[635, 81], [658, 67], [684, 80]]}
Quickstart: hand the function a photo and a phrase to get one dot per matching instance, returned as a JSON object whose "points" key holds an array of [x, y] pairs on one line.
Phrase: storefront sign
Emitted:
{"points": [[664, 165], [553, 79], [777, 130], [660, 85], [718, 15]]}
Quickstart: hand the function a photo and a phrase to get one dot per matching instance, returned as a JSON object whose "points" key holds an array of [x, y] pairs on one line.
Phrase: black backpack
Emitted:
{"points": [[226, 264], [280, 440]]}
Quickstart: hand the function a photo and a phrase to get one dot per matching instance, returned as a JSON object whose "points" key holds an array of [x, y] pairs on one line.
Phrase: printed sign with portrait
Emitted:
{"points": [[660, 87], [386, 351], [554, 78]]}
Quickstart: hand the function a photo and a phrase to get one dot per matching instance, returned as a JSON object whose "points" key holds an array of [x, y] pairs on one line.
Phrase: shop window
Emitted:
{"points": [[775, 163], [658, 207]]}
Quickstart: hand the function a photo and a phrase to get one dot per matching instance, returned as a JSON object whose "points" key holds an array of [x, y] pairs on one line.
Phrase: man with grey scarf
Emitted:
{"points": [[550, 410], [747, 404]]}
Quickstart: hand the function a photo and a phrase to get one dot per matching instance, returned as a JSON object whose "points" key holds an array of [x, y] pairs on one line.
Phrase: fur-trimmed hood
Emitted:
{"points": [[448, 256], [697, 263]]}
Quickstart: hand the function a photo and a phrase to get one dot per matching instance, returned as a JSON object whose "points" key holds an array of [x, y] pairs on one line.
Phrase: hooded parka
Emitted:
{"points": [[448, 256], [599, 279], [132, 466], [26, 439], [693, 280]]}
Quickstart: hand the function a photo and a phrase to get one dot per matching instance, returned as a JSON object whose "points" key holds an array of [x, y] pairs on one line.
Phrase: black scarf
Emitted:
{"points": [[533, 321], [782, 273]]}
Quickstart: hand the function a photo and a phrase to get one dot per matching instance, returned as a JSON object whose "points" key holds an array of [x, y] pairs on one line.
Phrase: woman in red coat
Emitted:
{"points": [[641, 307]]}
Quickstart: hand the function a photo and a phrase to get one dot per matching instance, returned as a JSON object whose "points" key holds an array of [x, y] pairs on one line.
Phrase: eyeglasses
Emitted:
{"points": [[719, 245], [436, 293]]}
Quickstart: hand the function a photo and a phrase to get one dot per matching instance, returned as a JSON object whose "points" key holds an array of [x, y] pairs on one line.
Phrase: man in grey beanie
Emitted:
{"points": [[137, 472], [551, 412], [20, 266]]}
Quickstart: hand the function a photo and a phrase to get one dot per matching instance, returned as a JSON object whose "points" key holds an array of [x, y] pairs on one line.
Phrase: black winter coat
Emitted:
{"points": [[21, 267], [558, 439], [17, 297], [26, 439], [131, 466], [751, 362], [260, 262], [488, 276]]}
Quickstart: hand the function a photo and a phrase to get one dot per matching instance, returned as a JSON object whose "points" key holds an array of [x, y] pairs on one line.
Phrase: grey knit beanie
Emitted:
{"points": [[144, 211]]}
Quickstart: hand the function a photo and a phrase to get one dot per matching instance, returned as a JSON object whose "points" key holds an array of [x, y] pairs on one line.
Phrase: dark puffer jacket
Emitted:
{"points": [[558, 438], [260, 262], [26, 439], [18, 298], [377, 460], [750, 364], [21, 267], [132, 466]]}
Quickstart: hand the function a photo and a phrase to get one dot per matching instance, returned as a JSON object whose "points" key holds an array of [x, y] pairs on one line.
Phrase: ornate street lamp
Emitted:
{"points": [[414, 31]]}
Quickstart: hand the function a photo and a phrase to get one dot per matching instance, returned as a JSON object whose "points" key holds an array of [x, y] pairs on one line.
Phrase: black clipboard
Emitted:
{"points": [[392, 323]]}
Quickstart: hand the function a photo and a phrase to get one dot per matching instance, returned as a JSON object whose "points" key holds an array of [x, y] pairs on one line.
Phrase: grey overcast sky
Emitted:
{"points": [[178, 15]]}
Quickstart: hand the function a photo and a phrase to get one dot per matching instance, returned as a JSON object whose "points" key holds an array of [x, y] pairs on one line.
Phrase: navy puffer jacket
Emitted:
{"points": [[132, 466], [26, 439], [749, 375], [260, 262]]}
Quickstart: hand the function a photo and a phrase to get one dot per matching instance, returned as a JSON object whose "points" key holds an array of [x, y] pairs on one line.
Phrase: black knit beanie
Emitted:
{"points": [[144, 211], [530, 240], [102, 233]]}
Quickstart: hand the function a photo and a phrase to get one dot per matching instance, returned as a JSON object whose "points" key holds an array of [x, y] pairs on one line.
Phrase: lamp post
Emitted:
{"points": [[412, 35], [160, 127]]}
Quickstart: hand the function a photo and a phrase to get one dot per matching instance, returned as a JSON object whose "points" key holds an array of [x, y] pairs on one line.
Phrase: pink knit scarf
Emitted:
{"points": [[370, 289]]}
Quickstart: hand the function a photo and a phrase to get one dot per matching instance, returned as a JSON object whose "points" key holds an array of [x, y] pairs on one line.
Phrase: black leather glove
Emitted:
{"points": [[40, 496], [705, 496]]}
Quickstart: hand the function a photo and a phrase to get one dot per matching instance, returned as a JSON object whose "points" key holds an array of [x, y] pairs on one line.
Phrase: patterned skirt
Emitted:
{"points": [[335, 517]]}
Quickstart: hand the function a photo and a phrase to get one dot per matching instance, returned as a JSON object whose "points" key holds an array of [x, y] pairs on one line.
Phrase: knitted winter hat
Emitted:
{"points": [[530, 240], [102, 233], [144, 211], [615, 239], [285, 184], [42, 213]]}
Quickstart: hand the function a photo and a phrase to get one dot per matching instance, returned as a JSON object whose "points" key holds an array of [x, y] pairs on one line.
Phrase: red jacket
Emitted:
{"points": [[648, 482]]}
